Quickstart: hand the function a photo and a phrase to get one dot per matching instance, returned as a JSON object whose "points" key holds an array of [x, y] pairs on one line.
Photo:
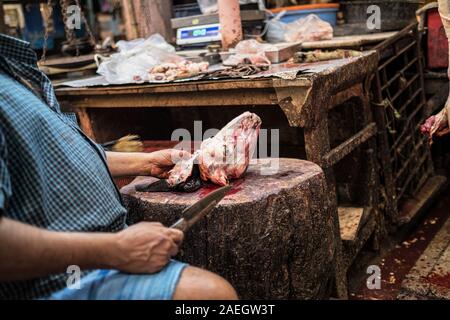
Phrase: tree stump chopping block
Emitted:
{"points": [[271, 236]]}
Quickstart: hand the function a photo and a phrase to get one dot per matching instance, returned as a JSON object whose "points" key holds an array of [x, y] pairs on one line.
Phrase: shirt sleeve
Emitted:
{"points": [[5, 182]]}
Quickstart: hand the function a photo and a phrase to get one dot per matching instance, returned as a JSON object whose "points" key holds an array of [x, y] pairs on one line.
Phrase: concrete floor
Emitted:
{"points": [[414, 264]]}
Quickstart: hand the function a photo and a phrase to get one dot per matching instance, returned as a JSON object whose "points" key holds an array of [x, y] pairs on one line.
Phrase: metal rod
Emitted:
{"points": [[399, 73], [398, 54]]}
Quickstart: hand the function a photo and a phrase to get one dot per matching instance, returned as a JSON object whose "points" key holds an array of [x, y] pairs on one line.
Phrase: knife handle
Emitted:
{"points": [[180, 225]]}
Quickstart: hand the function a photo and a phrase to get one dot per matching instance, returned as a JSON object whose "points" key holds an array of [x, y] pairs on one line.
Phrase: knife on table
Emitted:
{"points": [[201, 208]]}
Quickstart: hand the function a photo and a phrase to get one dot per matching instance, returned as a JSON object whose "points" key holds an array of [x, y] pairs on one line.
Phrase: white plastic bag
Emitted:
{"points": [[309, 28], [250, 51], [276, 29], [208, 6], [132, 63], [253, 47]]}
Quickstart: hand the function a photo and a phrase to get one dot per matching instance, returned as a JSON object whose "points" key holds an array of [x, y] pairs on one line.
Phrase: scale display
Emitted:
{"points": [[198, 34]]}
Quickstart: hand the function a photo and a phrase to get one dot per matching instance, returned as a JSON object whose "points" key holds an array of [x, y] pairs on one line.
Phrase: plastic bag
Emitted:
{"points": [[132, 63], [276, 29], [309, 28], [253, 47], [208, 6], [250, 52]]}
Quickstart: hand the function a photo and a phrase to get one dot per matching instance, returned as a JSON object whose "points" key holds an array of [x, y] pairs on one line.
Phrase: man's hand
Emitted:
{"points": [[156, 164], [146, 247], [27, 252], [161, 162]]}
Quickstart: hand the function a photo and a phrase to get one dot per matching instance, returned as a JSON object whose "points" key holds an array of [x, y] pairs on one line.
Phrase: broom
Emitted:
{"points": [[129, 143]]}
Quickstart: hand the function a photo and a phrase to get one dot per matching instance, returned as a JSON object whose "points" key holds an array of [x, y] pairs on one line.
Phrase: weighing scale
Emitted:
{"points": [[202, 30], [198, 34]]}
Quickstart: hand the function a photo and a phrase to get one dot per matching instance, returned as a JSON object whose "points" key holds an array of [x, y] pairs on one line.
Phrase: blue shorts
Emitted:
{"points": [[116, 285]]}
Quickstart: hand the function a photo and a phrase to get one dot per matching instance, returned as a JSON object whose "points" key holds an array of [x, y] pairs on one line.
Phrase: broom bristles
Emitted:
{"points": [[129, 143]]}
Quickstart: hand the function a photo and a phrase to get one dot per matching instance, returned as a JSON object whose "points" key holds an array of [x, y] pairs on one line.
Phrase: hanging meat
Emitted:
{"points": [[220, 158], [439, 124]]}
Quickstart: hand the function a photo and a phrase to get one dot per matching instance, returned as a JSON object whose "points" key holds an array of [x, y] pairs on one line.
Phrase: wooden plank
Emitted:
{"points": [[412, 208], [55, 70], [349, 145], [85, 123], [2, 19], [129, 19], [153, 16], [350, 222], [348, 41], [68, 62], [172, 87], [366, 230], [343, 96], [193, 100]]}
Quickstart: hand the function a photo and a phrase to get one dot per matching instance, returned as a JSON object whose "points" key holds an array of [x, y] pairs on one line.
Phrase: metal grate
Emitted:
{"points": [[398, 95]]}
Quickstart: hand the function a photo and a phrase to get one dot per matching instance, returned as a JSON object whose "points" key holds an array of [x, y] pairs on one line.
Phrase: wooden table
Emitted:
{"points": [[306, 102]]}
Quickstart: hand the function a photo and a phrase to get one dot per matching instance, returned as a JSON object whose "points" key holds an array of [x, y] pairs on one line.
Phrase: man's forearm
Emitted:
{"points": [[122, 164], [28, 252]]}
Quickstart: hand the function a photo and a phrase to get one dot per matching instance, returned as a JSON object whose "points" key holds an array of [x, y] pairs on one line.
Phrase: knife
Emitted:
{"points": [[201, 208]]}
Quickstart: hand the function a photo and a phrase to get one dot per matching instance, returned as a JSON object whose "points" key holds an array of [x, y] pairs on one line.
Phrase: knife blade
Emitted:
{"points": [[200, 209]]}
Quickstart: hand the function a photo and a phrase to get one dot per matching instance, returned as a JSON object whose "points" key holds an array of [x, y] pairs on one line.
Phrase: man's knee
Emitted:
{"points": [[199, 284]]}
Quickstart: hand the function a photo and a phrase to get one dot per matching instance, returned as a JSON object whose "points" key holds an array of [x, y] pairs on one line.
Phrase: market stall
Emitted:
{"points": [[304, 101], [334, 88]]}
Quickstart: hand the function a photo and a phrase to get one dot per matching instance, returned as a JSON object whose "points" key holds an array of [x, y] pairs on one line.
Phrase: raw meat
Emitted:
{"points": [[172, 71], [250, 52], [436, 125], [227, 155], [239, 71], [221, 158]]}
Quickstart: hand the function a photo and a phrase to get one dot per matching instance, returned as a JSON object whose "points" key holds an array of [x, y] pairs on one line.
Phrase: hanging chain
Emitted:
{"points": [[70, 33], [86, 24], [47, 26]]}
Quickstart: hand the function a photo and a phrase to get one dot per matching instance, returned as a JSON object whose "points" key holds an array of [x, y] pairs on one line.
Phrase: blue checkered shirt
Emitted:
{"points": [[51, 175]]}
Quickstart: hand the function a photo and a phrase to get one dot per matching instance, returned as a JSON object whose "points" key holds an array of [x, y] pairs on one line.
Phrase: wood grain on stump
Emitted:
{"points": [[271, 237]]}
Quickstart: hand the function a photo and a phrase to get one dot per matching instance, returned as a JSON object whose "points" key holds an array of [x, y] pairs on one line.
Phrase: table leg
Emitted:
{"points": [[85, 122], [317, 145], [373, 181]]}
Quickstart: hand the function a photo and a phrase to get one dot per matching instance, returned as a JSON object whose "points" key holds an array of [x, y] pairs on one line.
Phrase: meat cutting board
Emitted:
{"points": [[272, 236]]}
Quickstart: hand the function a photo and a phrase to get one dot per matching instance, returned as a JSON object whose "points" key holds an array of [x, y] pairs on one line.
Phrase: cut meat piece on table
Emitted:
{"points": [[173, 71], [250, 52]]}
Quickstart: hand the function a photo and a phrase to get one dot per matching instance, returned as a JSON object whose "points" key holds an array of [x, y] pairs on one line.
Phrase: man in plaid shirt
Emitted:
{"points": [[59, 206]]}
